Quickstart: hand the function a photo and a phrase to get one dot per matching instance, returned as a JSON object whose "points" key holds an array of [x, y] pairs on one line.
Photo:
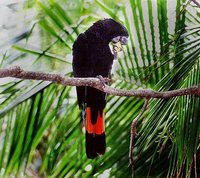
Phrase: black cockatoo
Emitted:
{"points": [[92, 57]]}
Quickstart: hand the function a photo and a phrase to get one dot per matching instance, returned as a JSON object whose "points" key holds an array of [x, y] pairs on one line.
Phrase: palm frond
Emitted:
{"points": [[41, 130]]}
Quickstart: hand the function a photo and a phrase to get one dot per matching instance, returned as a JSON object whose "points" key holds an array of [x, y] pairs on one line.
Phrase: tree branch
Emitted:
{"points": [[133, 135], [17, 72]]}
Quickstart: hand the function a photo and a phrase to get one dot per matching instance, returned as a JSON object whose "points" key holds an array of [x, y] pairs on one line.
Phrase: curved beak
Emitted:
{"points": [[123, 40], [117, 44]]}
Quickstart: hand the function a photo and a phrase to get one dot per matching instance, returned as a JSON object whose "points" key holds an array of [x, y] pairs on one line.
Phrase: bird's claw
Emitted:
{"points": [[102, 80]]}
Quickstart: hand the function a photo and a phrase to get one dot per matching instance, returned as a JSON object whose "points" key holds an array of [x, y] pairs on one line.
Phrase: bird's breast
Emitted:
{"points": [[101, 59]]}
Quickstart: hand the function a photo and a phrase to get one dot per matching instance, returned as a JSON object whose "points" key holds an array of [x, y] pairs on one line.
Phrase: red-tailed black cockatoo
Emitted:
{"points": [[92, 57]]}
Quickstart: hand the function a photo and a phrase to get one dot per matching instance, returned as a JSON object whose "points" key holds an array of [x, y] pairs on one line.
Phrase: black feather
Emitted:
{"points": [[92, 57]]}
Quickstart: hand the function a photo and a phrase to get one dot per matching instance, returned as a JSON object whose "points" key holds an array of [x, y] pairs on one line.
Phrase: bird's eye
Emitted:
{"points": [[116, 39]]}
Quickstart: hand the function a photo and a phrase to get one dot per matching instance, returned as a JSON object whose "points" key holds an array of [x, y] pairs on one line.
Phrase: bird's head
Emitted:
{"points": [[115, 33], [110, 30]]}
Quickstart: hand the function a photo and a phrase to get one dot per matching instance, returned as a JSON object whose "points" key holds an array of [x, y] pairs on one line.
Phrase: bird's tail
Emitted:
{"points": [[95, 133]]}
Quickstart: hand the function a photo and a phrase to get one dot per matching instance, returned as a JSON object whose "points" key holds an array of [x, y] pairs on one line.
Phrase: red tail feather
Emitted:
{"points": [[97, 128], [95, 135]]}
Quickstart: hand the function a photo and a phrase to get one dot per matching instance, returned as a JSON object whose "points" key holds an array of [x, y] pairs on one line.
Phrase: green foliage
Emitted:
{"points": [[41, 131]]}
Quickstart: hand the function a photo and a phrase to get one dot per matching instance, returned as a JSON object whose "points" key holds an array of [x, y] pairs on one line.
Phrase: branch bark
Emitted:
{"points": [[134, 133], [17, 72]]}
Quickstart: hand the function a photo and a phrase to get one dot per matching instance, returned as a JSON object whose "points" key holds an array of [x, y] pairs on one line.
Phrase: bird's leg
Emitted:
{"points": [[109, 76], [102, 80]]}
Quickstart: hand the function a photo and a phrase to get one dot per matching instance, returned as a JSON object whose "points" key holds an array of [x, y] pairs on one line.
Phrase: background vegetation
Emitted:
{"points": [[40, 130]]}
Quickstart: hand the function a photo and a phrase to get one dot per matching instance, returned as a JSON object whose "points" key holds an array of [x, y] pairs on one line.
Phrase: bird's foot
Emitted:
{"points": [[102, 80]]}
